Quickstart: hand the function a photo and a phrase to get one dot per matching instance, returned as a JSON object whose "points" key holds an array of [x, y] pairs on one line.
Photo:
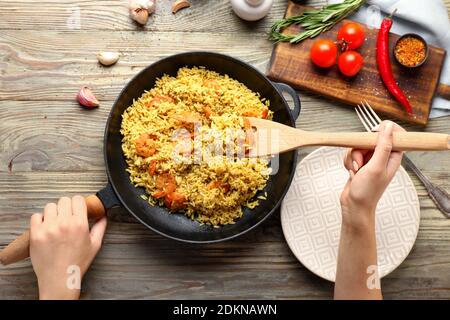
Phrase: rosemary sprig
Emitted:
{"points": [[314, 21]]}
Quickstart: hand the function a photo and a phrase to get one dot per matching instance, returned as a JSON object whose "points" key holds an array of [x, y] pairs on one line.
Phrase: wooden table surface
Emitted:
{"points": [[50, 147]]}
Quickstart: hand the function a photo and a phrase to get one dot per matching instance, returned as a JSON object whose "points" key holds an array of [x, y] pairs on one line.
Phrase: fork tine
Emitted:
{"points": [[372, 120], [359, 113], [373, 112], [363, 113]]}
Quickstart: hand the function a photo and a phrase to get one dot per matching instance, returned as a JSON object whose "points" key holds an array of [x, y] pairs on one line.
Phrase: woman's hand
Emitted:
{"points": [[370, 174], [62, 248]]}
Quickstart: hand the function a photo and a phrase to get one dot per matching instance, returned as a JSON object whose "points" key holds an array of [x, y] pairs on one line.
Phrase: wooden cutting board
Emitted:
{"points": [[290, 63]]}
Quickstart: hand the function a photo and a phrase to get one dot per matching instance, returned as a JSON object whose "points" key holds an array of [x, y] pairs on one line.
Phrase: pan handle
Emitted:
{"points": [[108, 198], [97, 205], [282, 87]]}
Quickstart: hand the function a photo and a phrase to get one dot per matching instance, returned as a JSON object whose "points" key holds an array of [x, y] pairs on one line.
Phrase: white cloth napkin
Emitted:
{"points": [[427, 18]]}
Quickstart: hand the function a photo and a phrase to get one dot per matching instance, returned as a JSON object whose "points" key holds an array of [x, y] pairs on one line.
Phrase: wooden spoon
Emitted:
{"points": [[273, 138]]}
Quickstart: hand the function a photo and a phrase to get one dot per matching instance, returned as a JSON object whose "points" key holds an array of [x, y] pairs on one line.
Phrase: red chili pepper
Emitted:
{"points": [[384, 64]]}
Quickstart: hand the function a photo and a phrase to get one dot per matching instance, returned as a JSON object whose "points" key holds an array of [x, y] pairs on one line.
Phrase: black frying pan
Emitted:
{"points": [[177, 226], [120, 191]]}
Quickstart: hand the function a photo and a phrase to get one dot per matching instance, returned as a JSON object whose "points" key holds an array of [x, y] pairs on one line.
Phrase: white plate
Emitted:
{"points": [[311, 215]]}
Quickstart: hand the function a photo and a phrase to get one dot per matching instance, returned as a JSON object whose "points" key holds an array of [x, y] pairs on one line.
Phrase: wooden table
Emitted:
{"points": [[50, 147]]}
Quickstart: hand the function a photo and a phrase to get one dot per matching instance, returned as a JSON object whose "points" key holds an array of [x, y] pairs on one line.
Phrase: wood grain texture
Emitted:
{"points": [[113, 15], [51, 147], [53, 65], [292, 64]]}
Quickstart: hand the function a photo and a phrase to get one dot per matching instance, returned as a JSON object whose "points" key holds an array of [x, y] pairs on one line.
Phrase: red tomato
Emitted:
{"points": [[324, 53], [350, 62], [353, 34]]}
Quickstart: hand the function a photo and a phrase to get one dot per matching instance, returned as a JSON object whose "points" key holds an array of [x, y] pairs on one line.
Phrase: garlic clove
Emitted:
{"points": [[108, 58], [86, 98], [180, 4], [139, 15]]}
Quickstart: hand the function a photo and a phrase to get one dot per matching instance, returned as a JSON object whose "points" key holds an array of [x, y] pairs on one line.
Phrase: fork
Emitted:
{"points": [[370, 121]]}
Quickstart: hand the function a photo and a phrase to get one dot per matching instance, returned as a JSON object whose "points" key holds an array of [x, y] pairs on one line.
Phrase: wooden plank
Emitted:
{"points": [[51, 136], [113, 15], [53, 65], [118, 274], [292, 64]]}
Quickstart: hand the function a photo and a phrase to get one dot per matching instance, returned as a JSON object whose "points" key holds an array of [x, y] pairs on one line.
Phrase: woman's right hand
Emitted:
{"points": [[370, 174]]}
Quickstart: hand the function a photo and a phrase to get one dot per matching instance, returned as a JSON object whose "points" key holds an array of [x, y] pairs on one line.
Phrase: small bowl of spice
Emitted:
{"points": [[411, 50]]}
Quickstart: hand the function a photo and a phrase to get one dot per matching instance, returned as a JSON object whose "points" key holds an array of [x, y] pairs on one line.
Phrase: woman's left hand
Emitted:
{"points": [[62, 248]]}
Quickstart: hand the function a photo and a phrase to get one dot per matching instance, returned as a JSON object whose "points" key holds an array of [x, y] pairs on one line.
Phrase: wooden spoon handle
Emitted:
{"points": [[443, 90], [403, 141], [19, 249]]}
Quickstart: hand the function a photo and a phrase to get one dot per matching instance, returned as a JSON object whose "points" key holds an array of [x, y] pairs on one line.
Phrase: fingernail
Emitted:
{"points": [[388, 127], [355, 166]]}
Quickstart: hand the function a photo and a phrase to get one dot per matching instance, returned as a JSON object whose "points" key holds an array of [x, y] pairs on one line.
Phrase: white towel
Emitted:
{"points": [[427, 18]]}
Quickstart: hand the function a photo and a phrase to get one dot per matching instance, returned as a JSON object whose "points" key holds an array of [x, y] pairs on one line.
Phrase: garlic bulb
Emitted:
{"points": [[86, 98], [141, 9], [108, 58], [251, 10]]}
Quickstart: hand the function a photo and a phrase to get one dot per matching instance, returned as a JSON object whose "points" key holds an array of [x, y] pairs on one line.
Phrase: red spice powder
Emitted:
{"points": [[410, 51]]}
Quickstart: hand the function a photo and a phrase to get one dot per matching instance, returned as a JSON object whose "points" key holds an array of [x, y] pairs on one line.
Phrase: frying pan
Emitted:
{"points": [[120, 191]]}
